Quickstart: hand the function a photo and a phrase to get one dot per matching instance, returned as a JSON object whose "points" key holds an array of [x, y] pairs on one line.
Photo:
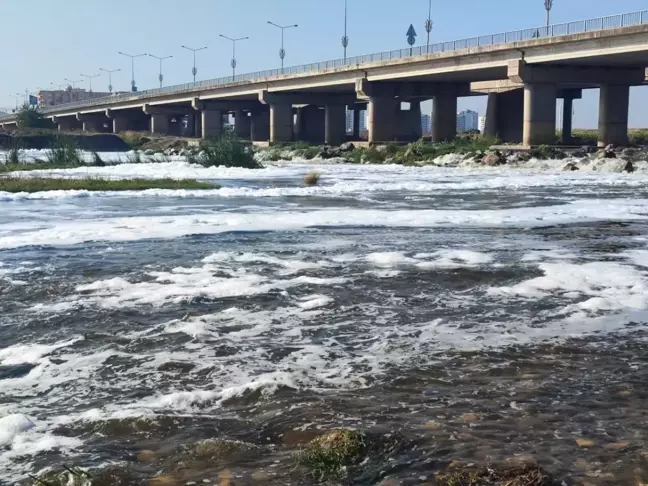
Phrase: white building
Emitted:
{"points": [[482, 124], [349, 121], [467, 121], [363, 121], [426, 124]]}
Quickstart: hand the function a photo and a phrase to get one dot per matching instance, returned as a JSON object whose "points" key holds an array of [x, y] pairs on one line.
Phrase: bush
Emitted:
{"points": [[64, 153], [30, 116], [97, 161], [227, 151], [312, 178], [14, 156]]}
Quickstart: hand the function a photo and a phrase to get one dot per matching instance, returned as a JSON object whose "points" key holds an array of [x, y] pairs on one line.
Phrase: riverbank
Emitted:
{"points": [[41, 184]]}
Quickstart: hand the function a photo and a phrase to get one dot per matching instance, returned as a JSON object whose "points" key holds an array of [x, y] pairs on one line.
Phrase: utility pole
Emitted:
{"points": [[548, 6], [73, 82], [345, 37], [282, 51], [161, 76], [89, 78], [233, 63], [428, 26], [194, 70], [133, 84], [110, 85]]}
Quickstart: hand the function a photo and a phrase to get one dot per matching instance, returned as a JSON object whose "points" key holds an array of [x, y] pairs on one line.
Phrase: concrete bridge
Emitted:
{"points": [[522, 73]]}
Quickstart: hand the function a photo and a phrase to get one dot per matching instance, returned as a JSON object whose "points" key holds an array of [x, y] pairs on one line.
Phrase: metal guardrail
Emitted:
{"points": [[581, 26]]}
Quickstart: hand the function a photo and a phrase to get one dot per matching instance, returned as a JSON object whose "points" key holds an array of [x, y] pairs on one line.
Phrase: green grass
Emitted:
{"points": [[227, 151], [26, 184]]}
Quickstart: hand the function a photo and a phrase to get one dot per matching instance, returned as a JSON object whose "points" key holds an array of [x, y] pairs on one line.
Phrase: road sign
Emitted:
{"points": [[411, 35]]}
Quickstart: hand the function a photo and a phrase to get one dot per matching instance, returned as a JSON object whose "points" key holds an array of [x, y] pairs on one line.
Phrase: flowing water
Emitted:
{"points": [[469, 315]]}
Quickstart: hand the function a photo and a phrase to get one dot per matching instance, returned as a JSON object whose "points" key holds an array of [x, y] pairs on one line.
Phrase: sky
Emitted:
{"points": [[46, 41]]}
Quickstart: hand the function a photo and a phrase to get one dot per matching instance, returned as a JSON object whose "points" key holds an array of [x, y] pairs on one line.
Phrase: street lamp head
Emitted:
{"points": [[548, 4]]}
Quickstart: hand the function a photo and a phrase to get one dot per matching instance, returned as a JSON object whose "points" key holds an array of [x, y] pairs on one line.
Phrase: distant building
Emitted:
{"points": [[69, 95], [349, 121], [426, 124], [467, 121], [363, 121], [482, 124]]}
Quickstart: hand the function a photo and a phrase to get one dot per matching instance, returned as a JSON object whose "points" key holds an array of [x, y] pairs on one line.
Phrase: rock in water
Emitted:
{"points": [[571, 166], [492, 159], [628, 167], [605, 154], [347, 147]]}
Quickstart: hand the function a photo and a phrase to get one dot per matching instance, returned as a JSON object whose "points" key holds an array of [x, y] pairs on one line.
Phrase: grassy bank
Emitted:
{"points": [[20, 184]]}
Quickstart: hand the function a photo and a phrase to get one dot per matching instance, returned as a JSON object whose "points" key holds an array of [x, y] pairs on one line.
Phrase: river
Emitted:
{"points": [[474, 315]]}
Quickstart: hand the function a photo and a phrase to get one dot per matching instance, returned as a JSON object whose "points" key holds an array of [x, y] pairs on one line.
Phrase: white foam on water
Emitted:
{"points": [[31, 353], [12, 425], [137, 228], [454, 259], [607, 286], [389, 259]]}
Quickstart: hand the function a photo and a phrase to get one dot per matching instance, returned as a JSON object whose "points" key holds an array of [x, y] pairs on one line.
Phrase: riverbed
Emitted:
{"points": [[471, 315]]}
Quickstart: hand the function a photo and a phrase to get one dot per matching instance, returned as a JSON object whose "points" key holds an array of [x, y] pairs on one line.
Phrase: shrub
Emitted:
{"points": [[30, 116], [134, 158], [312, 178], [14, 156], [97, 161], [227, 151], [64, 153]]}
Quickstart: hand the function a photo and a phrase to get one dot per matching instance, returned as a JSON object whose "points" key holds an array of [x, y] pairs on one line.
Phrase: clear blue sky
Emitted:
{"points": [[46, 41]]}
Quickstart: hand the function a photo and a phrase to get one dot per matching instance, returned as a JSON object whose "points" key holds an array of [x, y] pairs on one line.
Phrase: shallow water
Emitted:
{"points": [[474, 315]]}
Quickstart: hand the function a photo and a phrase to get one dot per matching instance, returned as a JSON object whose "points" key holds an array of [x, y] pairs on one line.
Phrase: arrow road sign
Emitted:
{"points": [[411, 35]]}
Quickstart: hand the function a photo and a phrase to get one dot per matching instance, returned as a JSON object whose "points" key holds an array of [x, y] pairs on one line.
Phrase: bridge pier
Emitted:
{"points": [[414, 118], [67, 123], [92, 122], [539, 114], [335, 124], [212, 123], [356, 124], [613, 114], [310, 124], [281, 123], [382, 117], [160, 124], [260, 125], [444, 114], [241, 124], [504, 116]]}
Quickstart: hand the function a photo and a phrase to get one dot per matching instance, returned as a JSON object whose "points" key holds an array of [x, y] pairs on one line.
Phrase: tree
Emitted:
{"points": [[30, 116]]}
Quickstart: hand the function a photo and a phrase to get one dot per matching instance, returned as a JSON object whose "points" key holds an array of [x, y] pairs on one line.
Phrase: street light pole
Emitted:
{"points": [[17, 97], [89, 78], [428, 26], [282, 51], [194, 70], [110, 85], [345, 37], [133, 84], [548, 5], [73, 82], [161, 76], [233, 63]]}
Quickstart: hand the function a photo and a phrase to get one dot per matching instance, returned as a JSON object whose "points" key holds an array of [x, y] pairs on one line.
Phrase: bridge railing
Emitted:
{"points": [[581, 26]]}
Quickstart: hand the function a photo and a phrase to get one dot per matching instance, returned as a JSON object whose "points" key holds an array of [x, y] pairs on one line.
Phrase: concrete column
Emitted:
{"points": [[260, 126], [281, 123], [414, 117], [119, 124], [382, 115], [568, 103], [614, 102], [356, 124], [310, 124], [490, 127], [241, 124], [160, 124], [539, 114], [444, 116], [335, 124], [212, 123]]}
